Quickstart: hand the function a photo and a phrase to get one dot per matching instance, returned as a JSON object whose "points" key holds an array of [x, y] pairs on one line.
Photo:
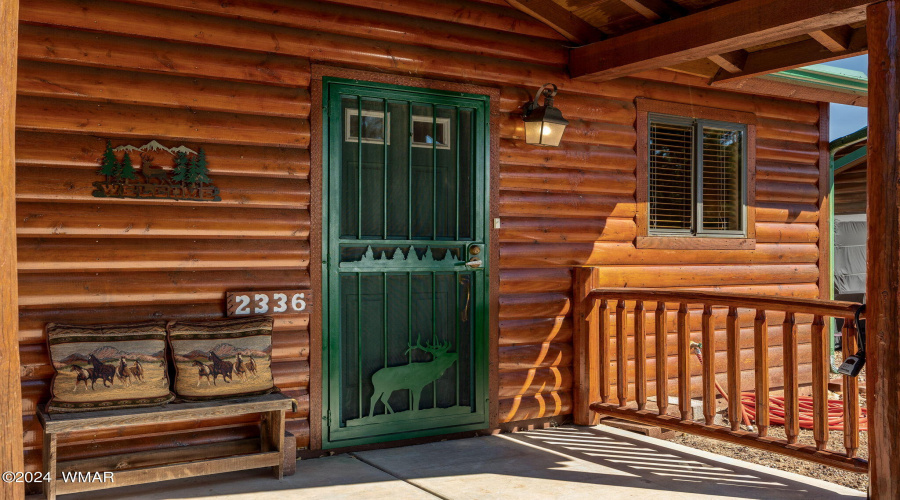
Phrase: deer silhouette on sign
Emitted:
{"points": [[412, 376]]}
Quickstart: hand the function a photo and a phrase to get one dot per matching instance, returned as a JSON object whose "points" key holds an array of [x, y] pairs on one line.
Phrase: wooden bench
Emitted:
{"points": [[270, 450]]}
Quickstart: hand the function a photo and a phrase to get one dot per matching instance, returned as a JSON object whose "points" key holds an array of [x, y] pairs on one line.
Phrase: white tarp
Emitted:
{"points": [[849, 254]]}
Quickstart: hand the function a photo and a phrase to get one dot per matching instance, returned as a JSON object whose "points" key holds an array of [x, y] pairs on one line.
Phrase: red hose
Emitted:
{"points": [[777, 410]]}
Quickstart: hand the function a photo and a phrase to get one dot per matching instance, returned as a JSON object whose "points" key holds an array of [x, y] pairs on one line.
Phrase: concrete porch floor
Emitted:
{"points": [[566, 462]]}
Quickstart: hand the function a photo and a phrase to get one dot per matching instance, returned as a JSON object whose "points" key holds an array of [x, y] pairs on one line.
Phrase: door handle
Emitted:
{"points": [[474, 263]]}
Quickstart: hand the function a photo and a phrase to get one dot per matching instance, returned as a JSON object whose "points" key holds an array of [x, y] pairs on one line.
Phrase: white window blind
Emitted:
{"points": [[671, 154], [721, 179], [696, 177]]}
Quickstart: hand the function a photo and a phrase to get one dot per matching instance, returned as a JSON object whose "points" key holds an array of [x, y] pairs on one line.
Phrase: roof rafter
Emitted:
{"points": [[719, 30], [733, 61], [655, 10], [561, 20], [794, 55], [836, 39]]}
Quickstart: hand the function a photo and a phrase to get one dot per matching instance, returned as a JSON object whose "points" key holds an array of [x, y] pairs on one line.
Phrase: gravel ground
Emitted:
{"points": [[790, 464], [784, 462]]}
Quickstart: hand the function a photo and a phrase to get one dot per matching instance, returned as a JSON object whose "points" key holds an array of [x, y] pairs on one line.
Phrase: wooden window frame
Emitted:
{"points": [[703, 241]]}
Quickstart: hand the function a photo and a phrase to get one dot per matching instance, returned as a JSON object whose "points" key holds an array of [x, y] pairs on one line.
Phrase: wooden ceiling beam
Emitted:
{"points": [[561, 20], [836, 39], [723, 29], [732, 62], [793, 55], [656, 10]]}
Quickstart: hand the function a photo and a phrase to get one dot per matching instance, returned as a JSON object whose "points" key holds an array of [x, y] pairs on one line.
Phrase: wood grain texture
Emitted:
{"points": [[560, 19], [709, 32], [883, 265], [11, 457]]}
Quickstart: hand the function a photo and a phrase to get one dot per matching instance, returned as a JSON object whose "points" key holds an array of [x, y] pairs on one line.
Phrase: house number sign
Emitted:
{"points": [[277, 302]]}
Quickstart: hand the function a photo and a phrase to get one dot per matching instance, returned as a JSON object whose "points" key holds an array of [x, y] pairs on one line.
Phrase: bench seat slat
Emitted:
{"points": [[174, 412]]}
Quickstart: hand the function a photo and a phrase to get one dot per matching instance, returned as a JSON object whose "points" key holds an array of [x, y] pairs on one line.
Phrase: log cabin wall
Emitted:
{"points": [[234, 78], [850, 191]]}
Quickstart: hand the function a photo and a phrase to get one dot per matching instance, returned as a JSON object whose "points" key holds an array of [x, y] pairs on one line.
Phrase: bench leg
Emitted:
{"points": [[49, 454], [273, 435], [290, 454]]}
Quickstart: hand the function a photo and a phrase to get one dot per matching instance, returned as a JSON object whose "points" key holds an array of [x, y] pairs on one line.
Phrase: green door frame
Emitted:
{"points": [[332, 89]]}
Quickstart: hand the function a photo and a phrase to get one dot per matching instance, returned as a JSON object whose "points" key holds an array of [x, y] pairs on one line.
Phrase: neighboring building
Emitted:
{"points": [[849, 170]]}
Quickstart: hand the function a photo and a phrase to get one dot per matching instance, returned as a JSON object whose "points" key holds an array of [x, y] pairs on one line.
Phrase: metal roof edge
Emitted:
{"points": [[825, 77]]}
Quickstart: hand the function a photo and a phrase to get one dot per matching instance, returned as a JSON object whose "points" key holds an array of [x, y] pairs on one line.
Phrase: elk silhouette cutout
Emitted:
{"points": [[412, 376]]}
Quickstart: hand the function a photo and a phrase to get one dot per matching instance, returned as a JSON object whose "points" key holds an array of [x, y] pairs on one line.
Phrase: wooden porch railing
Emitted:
{"points": [[595, 331]]}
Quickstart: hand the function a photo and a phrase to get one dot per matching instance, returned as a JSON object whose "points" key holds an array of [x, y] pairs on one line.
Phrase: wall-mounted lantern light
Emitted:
{"points": [[544, 125]]}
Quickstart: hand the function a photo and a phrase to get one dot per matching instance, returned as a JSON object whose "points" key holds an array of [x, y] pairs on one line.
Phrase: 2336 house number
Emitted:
{"points": [[277, 302]]}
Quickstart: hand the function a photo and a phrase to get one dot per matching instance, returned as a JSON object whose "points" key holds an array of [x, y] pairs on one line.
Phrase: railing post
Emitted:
{"points": [[791, 378], [621, 354], [662, 359], [640, 356], [820, 383], [586, 343], [708, 341], [761, 369], [733, 331], [684, 362]]}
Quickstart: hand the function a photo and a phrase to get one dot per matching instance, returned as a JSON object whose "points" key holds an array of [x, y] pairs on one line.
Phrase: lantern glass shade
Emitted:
{"points": [[544, 126]]}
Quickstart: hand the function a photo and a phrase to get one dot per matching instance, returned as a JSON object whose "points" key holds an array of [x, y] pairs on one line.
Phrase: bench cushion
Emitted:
{"points": [[222, 359], [102, 367]]}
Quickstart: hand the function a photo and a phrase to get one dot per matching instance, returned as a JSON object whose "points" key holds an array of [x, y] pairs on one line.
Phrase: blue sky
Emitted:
{"points": [[846, 119]]}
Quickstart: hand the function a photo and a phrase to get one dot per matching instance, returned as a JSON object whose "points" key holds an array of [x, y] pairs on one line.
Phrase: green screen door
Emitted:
{"points": [[405, 264]]}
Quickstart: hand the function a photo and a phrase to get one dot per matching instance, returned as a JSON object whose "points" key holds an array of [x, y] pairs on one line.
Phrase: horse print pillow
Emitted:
{"points": [[102, 367], [222, 359]]}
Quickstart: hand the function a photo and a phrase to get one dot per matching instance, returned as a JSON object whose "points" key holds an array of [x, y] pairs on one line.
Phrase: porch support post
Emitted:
{"points": [[11, 454], [586, 347], [883, 266]]}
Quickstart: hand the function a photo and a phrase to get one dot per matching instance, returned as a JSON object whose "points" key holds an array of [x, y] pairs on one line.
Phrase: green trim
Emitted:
{"points": [[432, 422], [825, 77], [849, 160], [848, 140]]}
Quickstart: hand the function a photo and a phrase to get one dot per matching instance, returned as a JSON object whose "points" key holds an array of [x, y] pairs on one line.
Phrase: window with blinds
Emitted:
{"points": [[696, 177]]}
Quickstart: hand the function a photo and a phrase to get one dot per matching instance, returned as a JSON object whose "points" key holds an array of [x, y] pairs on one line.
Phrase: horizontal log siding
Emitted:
{"points": [[234, 78]]}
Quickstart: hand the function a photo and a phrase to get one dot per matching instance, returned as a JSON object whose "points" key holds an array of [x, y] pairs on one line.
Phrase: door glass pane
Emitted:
{"points": [[422, 326], [372, 181], [398, 171], [349, 348], [398, 335], [445, 333], [466, 171], [349, 162], [371, 336], [447, 154], [465, 291], [423, 173]]}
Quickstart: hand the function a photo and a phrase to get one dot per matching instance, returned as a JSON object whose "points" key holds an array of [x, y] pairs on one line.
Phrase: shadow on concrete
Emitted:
{"points": [[565, 462], [584, 458]]}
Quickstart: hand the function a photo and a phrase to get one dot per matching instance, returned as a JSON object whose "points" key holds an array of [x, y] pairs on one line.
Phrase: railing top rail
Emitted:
{"points": [[833, 308]]}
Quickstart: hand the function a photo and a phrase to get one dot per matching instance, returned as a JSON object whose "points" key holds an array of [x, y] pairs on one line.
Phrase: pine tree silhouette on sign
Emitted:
{"points": [[109, 165], [126, 169], [182, 167], [198, 171]]}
